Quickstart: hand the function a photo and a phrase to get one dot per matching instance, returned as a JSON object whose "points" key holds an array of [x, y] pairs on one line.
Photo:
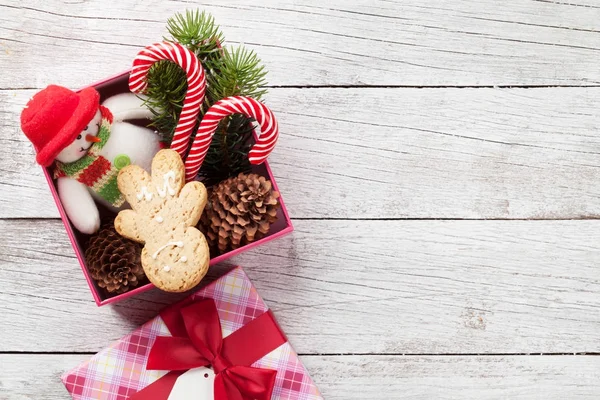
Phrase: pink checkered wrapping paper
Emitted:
{"points": [[118, 371]]}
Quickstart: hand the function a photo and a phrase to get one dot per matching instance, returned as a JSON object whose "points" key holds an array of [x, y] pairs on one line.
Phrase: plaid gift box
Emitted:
{"points": [[119, 372]]}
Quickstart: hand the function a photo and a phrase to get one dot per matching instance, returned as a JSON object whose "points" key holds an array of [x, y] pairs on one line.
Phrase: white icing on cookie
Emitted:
{"points": [[166, 268], [162, 192], [159, 219], [144, 194], [183, 259], [178, 244]]}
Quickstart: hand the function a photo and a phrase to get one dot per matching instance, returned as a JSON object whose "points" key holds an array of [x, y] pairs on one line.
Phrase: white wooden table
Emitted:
{"points": [[440, 160]]}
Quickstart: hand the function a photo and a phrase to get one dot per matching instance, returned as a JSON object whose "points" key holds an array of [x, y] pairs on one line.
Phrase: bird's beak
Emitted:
{"points": [[91, 138]]}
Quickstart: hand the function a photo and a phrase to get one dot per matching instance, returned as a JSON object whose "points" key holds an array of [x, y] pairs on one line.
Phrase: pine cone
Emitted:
{"points": [[239, 211], [114, 261]]}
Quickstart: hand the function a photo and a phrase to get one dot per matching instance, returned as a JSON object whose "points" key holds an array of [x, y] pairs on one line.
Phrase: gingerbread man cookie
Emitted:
{"points": [[164, 213]]}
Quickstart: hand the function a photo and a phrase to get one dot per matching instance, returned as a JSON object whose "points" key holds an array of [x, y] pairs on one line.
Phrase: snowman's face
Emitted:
{"points": [[84, 141]]}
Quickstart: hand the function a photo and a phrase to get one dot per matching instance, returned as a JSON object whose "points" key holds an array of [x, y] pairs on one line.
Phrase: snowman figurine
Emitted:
{"points": [[88, 143]]}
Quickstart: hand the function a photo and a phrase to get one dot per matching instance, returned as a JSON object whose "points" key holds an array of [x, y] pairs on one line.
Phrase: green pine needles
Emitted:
{"points": [[237, 72], [229, 72], [166, 90], [196, 31]]}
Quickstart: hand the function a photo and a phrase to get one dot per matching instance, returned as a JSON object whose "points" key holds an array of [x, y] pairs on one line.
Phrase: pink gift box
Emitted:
{"points": [[283, 225], [119, 371]]}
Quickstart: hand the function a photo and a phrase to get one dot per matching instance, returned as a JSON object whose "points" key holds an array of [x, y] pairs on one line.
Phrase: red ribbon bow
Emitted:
{"points": [[197, 342]]}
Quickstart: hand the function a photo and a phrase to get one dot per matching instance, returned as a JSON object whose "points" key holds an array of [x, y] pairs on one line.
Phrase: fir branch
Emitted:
{"points": [[197, 31], [228, 152], [167, 86], [229, 72], [238, 72]]}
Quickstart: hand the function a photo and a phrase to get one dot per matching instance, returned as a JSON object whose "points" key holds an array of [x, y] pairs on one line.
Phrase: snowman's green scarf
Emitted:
{"points": [[94, 170]]}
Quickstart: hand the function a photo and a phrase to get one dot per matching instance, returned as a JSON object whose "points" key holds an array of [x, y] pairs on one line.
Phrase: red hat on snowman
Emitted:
{"points": [[54, 118]]}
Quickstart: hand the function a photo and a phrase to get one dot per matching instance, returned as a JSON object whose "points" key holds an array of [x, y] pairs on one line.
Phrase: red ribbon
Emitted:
{"points": [[197, 342]]}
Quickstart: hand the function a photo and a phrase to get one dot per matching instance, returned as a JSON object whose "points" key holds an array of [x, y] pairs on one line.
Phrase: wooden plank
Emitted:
{"points": [[398, 153], [31, 376], [443, 42], [391, 287]]}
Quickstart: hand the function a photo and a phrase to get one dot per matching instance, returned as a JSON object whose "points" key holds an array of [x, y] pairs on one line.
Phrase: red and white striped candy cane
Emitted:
{"points": [[196, 80], [221, 109]]}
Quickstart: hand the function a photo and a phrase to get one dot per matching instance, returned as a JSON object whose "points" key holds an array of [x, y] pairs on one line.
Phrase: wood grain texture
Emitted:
{"points": [[394, 113], [388, 287], [29, 377], [477, 378], [398, 153], [440, 42]]}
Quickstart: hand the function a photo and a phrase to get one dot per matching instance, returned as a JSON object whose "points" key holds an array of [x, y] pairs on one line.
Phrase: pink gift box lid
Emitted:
{"points": [[283, 225], [118, 371]]}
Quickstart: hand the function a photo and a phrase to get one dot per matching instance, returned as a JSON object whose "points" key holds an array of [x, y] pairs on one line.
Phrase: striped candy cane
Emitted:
{"points": [[196, 85], [221, 109]]}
